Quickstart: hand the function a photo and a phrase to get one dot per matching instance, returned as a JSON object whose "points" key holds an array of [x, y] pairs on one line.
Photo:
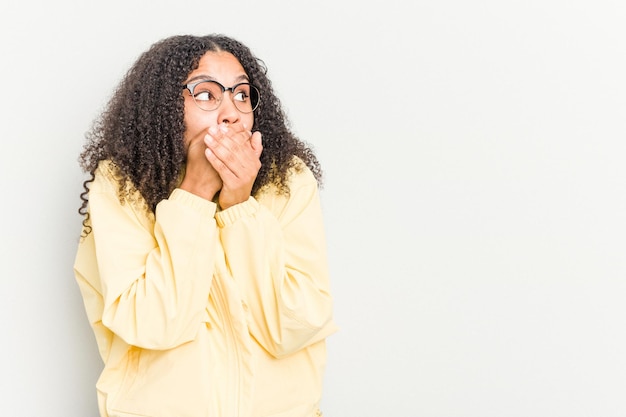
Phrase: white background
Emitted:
{"points": [[475, 194]]}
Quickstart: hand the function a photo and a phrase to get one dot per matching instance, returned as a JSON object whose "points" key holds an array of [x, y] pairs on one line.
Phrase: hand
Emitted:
{"points": [[235, 155], [200, 176]]}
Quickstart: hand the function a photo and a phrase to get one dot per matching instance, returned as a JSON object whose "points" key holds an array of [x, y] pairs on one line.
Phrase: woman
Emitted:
{"points": [[202, 261]]}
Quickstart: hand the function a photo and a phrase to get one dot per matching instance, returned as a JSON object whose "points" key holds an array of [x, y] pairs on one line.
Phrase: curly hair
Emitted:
{"points": [[141, 129]]}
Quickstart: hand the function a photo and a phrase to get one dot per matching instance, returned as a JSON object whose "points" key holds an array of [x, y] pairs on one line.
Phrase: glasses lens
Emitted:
{"points": [[245, 97], [208, 95]]}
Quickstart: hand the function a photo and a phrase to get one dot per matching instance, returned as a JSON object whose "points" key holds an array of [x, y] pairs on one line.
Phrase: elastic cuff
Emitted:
{"points": [[233, 213], [199, 204]]}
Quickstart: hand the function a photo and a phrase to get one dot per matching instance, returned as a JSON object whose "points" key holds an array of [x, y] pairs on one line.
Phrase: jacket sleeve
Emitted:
{"points": [[155, 273], [276, 253]]}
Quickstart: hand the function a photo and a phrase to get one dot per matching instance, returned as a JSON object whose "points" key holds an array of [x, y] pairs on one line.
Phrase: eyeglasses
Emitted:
{"points": [[208, 95]]}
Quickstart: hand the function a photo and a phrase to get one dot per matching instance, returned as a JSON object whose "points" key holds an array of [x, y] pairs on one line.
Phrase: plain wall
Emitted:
{"points": [[475, 194]]}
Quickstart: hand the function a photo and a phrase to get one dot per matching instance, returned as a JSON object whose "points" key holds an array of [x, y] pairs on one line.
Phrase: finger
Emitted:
{"points": [[239, 137], [222, 158], [229, 137], [231, 157], [215, 162], [256, 141]]}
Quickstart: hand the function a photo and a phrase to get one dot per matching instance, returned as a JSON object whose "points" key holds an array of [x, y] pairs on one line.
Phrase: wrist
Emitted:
{"points": [[206, 191]]}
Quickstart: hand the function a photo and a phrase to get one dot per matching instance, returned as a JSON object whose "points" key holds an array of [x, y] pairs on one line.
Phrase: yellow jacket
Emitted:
{"points": [[205, 313]]}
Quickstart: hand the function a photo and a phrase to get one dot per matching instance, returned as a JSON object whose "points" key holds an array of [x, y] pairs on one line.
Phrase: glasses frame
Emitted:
{"points": [[192, 86]]}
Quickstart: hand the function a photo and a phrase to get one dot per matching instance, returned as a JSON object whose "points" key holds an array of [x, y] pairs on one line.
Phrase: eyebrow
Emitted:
{"points": [[241, 78]]}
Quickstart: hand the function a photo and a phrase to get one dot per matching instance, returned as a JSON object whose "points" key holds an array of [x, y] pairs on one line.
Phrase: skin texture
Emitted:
{"points": [[222, 154], [145, 131]]}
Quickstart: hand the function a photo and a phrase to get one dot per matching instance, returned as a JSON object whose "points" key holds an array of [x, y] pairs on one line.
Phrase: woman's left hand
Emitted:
{"points": [[235, 154]]}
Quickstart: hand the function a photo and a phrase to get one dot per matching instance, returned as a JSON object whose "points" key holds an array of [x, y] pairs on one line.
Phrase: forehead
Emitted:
{"points": [[220, 66]]}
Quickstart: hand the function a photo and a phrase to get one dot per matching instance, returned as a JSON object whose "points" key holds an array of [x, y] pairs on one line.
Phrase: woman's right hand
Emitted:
{"points": [[200, 177]]}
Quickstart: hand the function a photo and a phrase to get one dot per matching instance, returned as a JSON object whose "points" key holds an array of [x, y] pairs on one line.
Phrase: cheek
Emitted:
{"points": [[196, 124], [248, 120]]}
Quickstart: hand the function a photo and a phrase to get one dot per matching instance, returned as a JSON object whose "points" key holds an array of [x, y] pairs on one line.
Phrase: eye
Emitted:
{"points": [[204, 95], [208, 92], [241, 95]]}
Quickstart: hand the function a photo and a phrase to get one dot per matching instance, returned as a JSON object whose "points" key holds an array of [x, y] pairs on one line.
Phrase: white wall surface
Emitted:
{"points": [[475, 195]]}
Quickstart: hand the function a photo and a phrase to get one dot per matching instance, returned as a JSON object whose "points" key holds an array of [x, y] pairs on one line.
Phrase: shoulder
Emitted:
{"points": [[106, 178], [109, 181], [300, 175], [303, 190]]}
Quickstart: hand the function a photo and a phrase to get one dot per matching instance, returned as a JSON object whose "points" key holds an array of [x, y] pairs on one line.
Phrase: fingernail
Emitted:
{"points": [[223, 128], [213, 130]]}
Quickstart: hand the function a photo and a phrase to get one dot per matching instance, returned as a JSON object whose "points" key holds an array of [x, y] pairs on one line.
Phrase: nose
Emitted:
{"points": [[228, 113]]}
